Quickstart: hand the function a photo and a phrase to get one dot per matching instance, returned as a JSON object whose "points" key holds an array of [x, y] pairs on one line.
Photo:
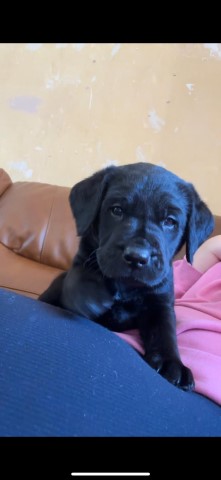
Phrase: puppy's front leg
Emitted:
{"points": [[158, 331], [86, 293]]}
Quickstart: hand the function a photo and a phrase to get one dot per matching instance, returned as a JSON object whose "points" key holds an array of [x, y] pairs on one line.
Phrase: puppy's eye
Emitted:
{"points": [[116, 211], [169, 222]]}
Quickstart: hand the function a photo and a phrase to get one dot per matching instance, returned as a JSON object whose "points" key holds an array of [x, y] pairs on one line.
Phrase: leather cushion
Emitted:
{"points": [[36, 222]]}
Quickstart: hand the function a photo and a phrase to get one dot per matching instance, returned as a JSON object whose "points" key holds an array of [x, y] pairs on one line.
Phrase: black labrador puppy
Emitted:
{"points": [[132, 220]]}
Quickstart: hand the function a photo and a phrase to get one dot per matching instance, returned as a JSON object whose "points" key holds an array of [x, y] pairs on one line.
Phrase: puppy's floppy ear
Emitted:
{"points": [[85, 198], [200, 223]]}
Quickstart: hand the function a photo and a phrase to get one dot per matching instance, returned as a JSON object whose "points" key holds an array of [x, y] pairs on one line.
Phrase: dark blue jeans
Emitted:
{"points": [[64, 376]]}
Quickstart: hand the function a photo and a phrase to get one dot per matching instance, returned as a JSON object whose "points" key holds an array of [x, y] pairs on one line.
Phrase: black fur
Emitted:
{"points": [[132, 220]]}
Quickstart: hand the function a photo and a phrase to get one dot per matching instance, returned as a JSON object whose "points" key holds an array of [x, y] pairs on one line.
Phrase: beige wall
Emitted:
{"points": [[70, 109]]}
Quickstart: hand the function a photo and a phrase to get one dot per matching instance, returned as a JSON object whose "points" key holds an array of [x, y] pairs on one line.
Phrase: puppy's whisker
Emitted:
{"points": [[91, 259], [92, 268], [91, 255]]}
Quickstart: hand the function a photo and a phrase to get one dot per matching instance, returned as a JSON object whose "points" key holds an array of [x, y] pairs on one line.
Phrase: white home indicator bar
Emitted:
{"points": [[112, 474]]}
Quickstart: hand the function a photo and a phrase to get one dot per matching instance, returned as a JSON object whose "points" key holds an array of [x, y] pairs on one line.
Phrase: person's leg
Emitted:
{"points": [[62, 376]]}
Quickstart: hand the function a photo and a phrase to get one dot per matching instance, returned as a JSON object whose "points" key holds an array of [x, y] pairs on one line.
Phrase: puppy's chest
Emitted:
{"points": [[125, 311]]}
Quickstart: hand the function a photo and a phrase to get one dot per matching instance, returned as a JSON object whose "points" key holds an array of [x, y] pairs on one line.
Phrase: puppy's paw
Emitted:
{"points": [[173, 370]]}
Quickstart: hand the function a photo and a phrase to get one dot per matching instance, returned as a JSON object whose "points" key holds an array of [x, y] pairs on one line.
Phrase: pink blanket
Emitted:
{"points": [[198, 313]]}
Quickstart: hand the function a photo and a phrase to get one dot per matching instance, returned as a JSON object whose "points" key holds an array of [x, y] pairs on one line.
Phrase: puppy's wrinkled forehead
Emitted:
{"points": [[143, 182]]}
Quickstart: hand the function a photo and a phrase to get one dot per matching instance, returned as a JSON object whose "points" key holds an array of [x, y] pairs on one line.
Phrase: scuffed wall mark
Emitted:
{"points": [[94, 78], [161, 164], [140, 155], [215, 49], [25, 103], [155, 122], [115, 49], [190, 86], [34, 46], [53, 81], [78, 46], [49, 83], [176, 129], [90, 99], [109, 162], [72, 81], [56, 80], [38, 148], [21, 166], [61, 45]]}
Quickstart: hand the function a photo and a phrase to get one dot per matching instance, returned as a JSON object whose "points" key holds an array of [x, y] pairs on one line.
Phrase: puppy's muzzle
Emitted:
{"points": [[139, 257]]}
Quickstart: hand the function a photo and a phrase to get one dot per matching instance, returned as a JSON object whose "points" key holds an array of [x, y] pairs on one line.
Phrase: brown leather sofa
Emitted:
{"points": [[37, 234]]}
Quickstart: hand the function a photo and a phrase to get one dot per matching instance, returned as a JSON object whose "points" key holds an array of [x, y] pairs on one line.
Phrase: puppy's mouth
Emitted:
{"points": [[132, 280]]}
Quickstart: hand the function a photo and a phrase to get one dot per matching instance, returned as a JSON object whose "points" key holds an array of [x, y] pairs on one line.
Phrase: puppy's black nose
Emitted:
{"points": [[136, 256]]}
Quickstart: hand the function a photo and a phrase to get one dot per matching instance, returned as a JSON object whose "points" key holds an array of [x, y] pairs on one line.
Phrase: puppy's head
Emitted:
{"points": [[139, 216]]}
